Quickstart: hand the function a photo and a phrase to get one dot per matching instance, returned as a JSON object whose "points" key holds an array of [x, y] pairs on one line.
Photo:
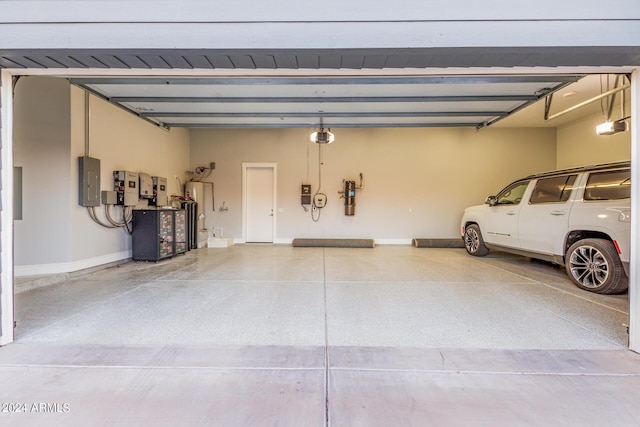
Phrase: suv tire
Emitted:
{"points": [[594, 265], [473, 242]]}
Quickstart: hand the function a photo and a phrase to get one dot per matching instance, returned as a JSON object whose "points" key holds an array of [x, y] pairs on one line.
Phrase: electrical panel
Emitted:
{"points": [[125, 184], [159, 191], [89, 194], [146, 185]]}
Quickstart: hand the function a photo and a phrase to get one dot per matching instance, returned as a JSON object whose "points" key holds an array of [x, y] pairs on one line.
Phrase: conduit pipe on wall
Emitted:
{"points": [[86, 123]]}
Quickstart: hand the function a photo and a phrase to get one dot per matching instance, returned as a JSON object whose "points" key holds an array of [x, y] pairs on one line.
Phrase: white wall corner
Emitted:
{"points": [[6, 213]]}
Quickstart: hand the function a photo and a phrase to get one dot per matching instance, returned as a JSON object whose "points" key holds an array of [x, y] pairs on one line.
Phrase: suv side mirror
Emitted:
{"points": [[491, 200]]}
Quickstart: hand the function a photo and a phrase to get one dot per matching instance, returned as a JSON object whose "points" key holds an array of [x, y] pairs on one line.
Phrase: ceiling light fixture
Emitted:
{"points": [[322, 137]]}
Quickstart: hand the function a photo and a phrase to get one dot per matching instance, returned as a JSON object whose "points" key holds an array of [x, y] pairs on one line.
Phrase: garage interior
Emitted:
{"points": [[260, 332], [292, 334]]}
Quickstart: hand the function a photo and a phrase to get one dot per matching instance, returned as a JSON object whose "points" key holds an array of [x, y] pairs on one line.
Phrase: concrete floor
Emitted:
{"points": [[276, 335]]}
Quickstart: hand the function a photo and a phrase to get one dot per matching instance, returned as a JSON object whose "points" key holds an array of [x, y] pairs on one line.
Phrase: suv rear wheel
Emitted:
{"points": [[594, 265], [473, 242]]}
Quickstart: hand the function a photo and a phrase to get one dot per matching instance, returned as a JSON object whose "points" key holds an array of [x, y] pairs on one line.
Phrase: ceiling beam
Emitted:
{"points": [[330, 114], [123, 107], [318, 124], [330, 80], [327, 99]]}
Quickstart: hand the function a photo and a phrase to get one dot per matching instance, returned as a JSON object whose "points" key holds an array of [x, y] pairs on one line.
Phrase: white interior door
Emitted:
{"points": [[260, 207]]}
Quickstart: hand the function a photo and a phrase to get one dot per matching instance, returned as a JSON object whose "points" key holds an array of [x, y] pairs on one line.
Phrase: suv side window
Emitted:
{"points": [[609, 185], [512, 195], [556, 189]]}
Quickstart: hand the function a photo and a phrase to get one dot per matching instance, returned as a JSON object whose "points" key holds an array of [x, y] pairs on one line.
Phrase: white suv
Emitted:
{"points": [[578, 217]]}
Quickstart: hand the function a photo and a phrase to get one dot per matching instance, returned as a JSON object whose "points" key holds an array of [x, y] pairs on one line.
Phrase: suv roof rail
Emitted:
{"points": [[601, 166]]}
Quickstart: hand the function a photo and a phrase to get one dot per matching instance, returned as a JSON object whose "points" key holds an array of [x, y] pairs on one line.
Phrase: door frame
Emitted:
{"points": [[245, 168], [6, 210]]}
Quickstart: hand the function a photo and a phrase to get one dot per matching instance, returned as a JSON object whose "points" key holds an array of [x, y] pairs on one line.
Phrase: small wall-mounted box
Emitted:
{"points": [[109, 197], [305, 194]]}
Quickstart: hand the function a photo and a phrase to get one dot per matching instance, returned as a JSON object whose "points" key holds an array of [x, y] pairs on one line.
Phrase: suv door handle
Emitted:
{"points": [[558, 213], [511, 213]]}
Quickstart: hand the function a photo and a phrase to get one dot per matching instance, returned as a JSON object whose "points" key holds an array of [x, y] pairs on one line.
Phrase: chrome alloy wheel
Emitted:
{"points": [[471, 240], [589, 266]]}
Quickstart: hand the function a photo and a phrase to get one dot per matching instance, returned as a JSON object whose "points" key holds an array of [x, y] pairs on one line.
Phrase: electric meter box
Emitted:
{"points": [[146, 185], [159, 191], [125, 184]]}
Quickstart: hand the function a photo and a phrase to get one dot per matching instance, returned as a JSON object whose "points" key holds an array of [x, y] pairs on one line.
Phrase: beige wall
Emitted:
{"points": [[417, 181], [578, 144], [57, 235]]}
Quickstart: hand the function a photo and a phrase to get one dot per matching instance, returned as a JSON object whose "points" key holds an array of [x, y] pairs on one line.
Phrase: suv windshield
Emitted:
{"points": [[512, 195]]}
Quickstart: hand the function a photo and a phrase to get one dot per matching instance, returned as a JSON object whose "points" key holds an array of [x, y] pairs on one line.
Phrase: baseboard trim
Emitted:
{"points": [[68, 267], [333, 243], [393, 241]]}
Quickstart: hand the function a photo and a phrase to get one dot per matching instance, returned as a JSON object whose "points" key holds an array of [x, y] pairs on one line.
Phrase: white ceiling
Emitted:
{"points": [[354, 101], [577, 93]]}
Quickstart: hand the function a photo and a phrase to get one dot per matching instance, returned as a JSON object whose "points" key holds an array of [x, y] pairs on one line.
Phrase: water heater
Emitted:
{"points": [[195, 191]]}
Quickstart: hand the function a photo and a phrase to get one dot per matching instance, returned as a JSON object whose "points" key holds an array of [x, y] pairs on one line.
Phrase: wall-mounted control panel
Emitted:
{"points": [[159, 191], [125, 184], [146, 185]]}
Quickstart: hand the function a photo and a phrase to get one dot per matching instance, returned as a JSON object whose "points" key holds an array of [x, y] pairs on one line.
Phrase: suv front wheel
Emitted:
{"points": [[594, 265], [473, 242]]}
